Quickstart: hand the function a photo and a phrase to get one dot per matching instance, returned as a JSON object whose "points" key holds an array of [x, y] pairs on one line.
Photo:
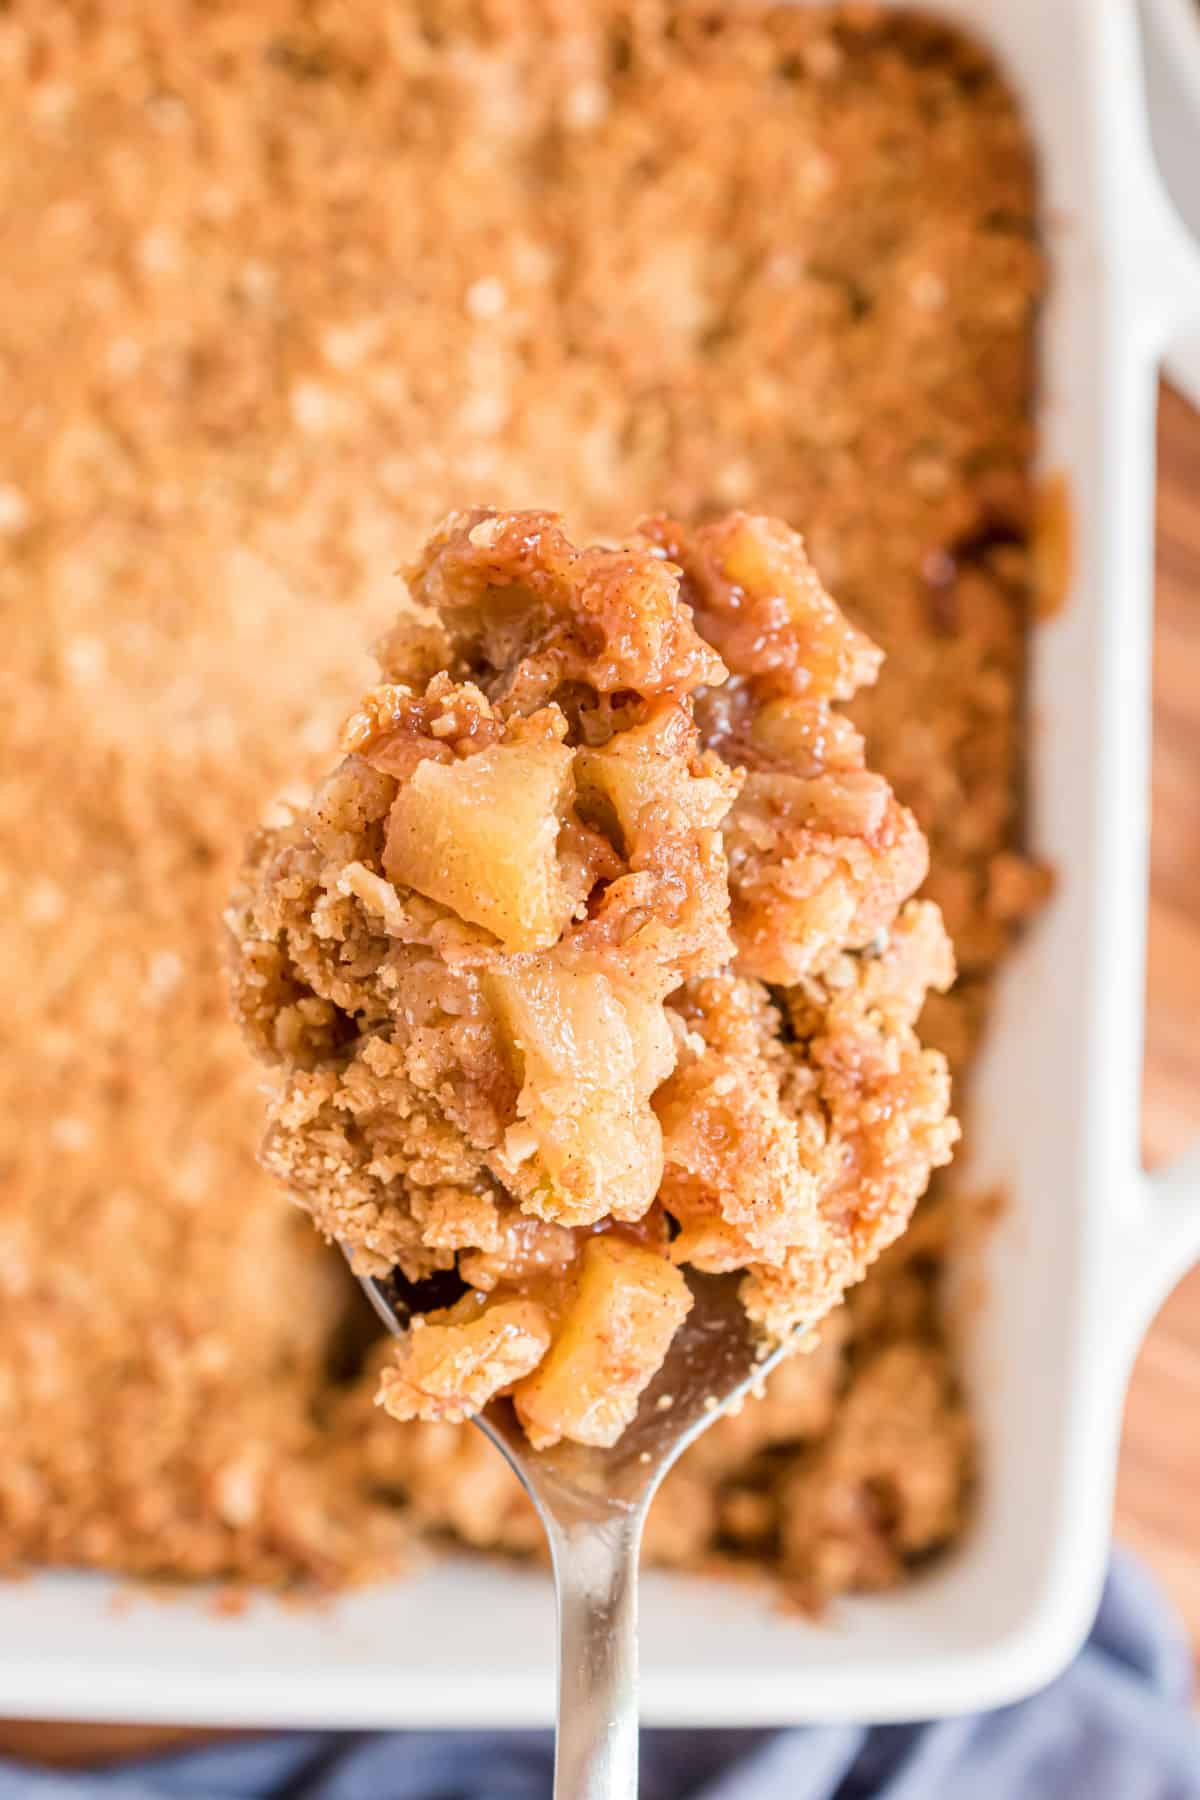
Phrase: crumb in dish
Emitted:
{"points": [[708, 254], [595, 959]]}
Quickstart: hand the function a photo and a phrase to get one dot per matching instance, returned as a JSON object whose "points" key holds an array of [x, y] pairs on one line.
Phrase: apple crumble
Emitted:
{"points": [[281, 284], [592, 961]]}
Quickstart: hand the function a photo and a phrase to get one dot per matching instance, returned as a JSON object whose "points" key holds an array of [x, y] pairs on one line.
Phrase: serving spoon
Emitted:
{"points": [[593, 1504]]}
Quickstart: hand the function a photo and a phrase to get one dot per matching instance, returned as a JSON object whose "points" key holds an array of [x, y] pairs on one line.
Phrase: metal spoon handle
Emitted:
{"points": [[596, 1574]]}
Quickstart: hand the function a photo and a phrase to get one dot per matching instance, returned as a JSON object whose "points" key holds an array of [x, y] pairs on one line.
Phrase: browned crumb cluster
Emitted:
{"points": [[591, 962], [281, 284]]}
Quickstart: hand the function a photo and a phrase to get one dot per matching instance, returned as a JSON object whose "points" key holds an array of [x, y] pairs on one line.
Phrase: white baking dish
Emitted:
{"points": [[1086, 1248]]}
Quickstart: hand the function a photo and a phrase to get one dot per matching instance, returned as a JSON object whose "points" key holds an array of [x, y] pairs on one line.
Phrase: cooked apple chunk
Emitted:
{"points": [[586, 1142], [454, 1362], [647, 772], [612, 1340], [480, 836]]}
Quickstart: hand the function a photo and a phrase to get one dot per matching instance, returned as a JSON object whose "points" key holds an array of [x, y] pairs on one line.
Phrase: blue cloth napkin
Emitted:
{"points": [[1115, 1726]]}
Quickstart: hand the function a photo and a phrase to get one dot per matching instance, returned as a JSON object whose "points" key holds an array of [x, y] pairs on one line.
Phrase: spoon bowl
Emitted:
{"points": [[593, 1503]]}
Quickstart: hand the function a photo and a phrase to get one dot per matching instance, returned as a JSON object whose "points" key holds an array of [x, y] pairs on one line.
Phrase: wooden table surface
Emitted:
{"points": [[1158, 1491], [1158, 1494]]}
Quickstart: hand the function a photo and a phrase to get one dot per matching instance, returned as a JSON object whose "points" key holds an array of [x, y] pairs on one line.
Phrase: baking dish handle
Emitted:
{"points": [[1168, 1233], [1171, 263], [1169, 266]]}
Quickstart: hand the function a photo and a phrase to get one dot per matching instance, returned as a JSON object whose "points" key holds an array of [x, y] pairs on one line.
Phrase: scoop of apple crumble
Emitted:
{"points": [[596, 957]]}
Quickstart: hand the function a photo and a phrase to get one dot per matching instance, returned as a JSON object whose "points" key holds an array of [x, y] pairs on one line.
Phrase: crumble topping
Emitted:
{"points": [[281, 285]]}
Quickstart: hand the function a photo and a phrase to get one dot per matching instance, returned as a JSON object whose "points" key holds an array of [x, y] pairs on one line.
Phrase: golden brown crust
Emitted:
{"points": [[887, 1483], [230, 405]]}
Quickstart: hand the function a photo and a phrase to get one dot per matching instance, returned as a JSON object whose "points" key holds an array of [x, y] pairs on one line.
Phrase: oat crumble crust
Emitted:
{"points": [[280, 285]]}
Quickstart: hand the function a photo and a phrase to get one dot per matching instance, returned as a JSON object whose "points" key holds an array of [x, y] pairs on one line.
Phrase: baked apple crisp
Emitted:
{"points": [[596, 959], [283, 283]]}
